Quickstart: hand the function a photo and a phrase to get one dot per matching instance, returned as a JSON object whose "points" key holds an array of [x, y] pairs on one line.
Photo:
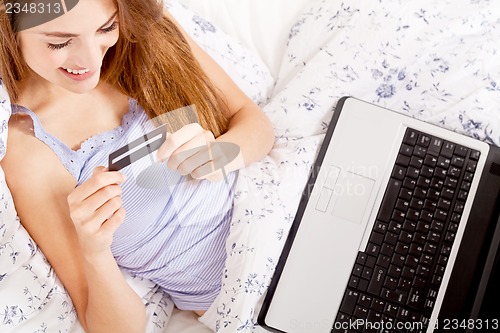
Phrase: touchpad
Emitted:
{"points": [[352, 197]]}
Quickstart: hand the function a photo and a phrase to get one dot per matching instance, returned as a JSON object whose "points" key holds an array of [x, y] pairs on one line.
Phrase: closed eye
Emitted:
{"points": [[110, 28], [59, 46]]}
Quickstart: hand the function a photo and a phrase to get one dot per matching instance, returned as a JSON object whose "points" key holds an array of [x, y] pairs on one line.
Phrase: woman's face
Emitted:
{"points": [[68, 51]]}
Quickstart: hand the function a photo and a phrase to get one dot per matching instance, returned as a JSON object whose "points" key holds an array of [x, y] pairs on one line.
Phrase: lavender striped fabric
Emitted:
{"points": [[175, 229]]}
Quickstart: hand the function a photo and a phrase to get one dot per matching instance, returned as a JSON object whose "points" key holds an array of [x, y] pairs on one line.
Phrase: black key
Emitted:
{"points": [[430, 161], [443, 162], [410, 137], [427, 171], [416, 204], [465, 186], [440, 215], [449, 237], [387, 249], [437, 226], [362, 284], [430, 248], [365, 300], [461, 151], [384, 261], [367, 273], [416, 162], [447, 149], [357, 270], [433, 195], [404, 284], [406, 150], [423, 182], [462, 195], [444, 204], [409, 225], [423, 227], [398, 216], [415, 299], [420, 193], [459, 207], [474, 155], [412, 261], [430, 205], [398, 172], [413, 215], [398, 260], [405, 237], [450, 182], [390, 197], [349, 301], [409, 183], [403, 314], [435, 146], [405, 194], [394, 271], [415, 250], [402, 205], [455, 217], [471, 166], [440, 173], [408, 273], [433, 237], [419, 238], [377, 280], [419, 283], [453, 227], [378, 304], [402, 248], [376, 238], [423, 140], [370, 261], [394, 296], [457, 161], [442, 260], [402, 160], [353, 281], [419, 151], [454, 172], [390, 309], [391, 238], [373, 249], [390, 283], [395, 227], [437, 184], [468, 176], [361, 259], [426, 216], [412, 172], [448, 193], [360, 312], [423, 271]]}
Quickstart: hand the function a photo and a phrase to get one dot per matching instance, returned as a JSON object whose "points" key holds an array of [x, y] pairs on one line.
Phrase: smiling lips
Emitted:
{"points": [[77, 71]]}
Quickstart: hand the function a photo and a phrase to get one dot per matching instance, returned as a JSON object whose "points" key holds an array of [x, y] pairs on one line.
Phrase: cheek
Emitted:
{"points": [[40, 58]]}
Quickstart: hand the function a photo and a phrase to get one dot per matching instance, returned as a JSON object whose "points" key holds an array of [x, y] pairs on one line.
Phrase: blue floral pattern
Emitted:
{"points": [[432, 60]]}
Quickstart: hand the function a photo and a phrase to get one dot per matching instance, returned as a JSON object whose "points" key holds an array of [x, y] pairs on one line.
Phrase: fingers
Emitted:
{"points": [[175, 140], [99, 179]]}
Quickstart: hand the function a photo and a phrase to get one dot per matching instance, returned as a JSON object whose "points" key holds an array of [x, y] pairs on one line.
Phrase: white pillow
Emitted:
{"points": [[262, 25]]}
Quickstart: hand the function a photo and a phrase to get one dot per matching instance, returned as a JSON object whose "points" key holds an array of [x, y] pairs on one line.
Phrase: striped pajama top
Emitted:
{"points": [[175, 229]]}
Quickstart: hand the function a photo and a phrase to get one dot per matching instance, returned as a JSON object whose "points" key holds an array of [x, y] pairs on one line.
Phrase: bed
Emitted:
{"points": [[432, 60]]}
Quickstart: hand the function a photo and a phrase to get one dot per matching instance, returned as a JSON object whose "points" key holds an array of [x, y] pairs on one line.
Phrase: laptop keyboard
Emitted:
{"points": [[397, 278]]}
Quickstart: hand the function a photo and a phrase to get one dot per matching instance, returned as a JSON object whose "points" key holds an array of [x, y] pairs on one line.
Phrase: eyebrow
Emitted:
{"points": [[69, 35]]}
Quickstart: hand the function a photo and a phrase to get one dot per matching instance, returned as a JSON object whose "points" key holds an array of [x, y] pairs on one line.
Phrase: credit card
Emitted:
{"points": [[137, 149]]}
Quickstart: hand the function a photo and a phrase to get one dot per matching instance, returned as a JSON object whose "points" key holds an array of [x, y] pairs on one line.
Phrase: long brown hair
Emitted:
{"points": [[151, 62]]}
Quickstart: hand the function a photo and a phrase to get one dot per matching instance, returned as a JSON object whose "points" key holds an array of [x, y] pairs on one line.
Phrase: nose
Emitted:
{"points": [[89, 54]]}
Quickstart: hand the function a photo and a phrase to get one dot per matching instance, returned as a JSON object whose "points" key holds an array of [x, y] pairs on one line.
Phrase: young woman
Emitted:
{"points": [[82, 85]]}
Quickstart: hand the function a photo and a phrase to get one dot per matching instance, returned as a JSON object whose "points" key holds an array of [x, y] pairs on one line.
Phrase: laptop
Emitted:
{"points": [[397, 231]]}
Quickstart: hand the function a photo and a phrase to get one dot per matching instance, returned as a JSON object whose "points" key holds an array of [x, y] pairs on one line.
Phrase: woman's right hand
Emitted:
{"points": [[96, 210]]}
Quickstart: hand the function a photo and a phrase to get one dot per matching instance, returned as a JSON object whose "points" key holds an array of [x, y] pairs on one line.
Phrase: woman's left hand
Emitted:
{"points": [[192, 151]]}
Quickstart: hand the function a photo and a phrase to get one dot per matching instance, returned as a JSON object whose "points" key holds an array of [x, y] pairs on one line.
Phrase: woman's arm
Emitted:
{"points": [[103, 300], [249, 127]]}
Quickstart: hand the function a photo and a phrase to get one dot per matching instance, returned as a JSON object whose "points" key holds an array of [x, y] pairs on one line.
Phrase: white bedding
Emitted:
{"points": [[433, 60]]}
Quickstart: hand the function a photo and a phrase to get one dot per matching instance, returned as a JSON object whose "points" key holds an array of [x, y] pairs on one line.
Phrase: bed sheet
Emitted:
{"points": [[432, 60]]}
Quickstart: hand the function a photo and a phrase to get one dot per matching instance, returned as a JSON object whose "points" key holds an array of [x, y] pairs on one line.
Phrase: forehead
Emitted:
{"points": [[52, 15]]}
